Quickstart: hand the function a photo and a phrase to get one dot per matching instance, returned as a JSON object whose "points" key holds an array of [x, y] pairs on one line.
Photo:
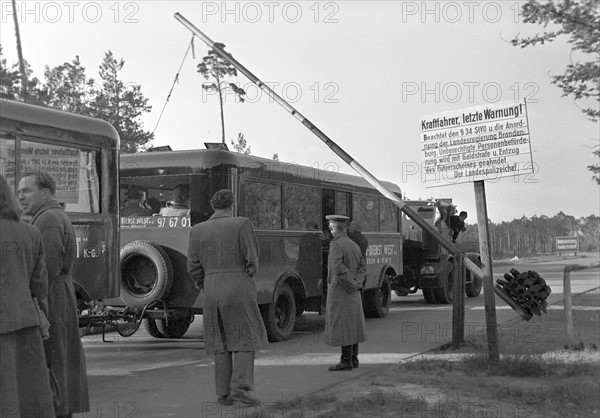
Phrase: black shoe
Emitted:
{"points": [[342, 365], [355, 363], [244, 397], [225, 400]]}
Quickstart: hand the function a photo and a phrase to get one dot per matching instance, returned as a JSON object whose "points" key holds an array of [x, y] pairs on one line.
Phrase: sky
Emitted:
{"points": [[365, 73]]}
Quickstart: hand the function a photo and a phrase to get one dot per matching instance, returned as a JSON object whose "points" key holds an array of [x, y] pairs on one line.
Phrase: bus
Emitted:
{"points": [[287, 204], [82, 155]]}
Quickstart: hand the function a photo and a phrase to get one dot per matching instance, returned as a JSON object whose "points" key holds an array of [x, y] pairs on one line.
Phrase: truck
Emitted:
{"points": [[427, 265]]}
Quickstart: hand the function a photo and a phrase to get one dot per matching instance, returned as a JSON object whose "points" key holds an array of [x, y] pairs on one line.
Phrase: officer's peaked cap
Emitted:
{"points": [[337, 218]]}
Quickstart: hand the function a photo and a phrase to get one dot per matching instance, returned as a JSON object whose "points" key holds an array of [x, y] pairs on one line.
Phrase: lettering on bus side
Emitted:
{"points": [[156, 222], [380, 253]]}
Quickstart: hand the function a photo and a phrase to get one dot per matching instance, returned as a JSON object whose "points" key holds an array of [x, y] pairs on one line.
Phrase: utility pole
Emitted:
{"points": [[20, 54]]}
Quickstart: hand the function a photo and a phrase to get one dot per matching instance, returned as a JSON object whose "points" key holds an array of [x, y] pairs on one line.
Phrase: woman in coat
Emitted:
{"points": [[24, 381], [344, 317]]}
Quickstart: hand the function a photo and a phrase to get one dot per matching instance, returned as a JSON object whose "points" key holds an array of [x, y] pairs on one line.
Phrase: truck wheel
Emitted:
{"points": [[444, 293], [378, 301], [474, 283], [430, 296], [146, 273], [279, 316], [152, 328], [176, 328]]}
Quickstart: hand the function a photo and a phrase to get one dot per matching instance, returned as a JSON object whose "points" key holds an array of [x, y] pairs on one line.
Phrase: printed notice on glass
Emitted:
{"points": [[479, 143]]}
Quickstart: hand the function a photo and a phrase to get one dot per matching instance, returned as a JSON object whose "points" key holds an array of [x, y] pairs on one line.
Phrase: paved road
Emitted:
{"points": [[141, 376]]}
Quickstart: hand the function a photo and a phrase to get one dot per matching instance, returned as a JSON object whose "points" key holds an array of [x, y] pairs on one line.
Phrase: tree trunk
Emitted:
{"points": [[20, 54]]}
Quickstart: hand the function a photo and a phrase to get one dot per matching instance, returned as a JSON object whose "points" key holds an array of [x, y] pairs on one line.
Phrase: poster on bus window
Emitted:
{"points": [[62, 163]]}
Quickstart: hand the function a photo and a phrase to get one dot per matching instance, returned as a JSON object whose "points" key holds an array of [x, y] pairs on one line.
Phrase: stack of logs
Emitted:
{"points": [[528, 289]]}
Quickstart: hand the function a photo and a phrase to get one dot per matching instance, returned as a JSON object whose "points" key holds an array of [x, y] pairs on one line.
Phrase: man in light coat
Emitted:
{"points": [[344, 317], [223, 259], [64, 351]]}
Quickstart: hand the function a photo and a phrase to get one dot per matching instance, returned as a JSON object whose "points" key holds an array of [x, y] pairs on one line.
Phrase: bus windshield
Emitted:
{"points": [[155, 195]]}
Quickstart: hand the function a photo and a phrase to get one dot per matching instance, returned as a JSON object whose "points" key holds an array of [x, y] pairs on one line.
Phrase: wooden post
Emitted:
{"points": [[458, 305], [568, 306], [488, 276]]}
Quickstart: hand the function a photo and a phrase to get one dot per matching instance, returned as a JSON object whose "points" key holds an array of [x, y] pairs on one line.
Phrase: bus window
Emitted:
{"points": [[301, 207], [341, 204], [147, 196], [74, 170], [7, 158], [263, 204], [366, 210]]}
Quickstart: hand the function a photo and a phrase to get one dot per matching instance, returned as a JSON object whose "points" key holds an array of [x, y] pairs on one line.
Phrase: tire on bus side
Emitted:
{"points": [[146, 273], [279, 316], [377, 302]]}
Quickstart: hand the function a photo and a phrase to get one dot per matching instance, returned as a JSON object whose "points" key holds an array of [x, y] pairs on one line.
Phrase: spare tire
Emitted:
{"points": [[146, 273]]}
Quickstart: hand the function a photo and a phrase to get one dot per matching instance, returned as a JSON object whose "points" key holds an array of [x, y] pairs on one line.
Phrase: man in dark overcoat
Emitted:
{"points": [[356, 235], [344, 317], [64, 351], [223, 259]]}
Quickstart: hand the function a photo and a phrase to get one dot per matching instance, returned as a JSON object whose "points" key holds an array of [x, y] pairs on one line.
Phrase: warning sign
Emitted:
{"points": [[480, 143]]}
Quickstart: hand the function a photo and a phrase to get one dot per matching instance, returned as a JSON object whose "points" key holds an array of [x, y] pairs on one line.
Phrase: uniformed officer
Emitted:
{"points": [[346, 272]]}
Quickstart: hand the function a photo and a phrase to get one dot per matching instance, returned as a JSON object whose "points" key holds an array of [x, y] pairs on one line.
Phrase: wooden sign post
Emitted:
{"points": [[488, 275]]}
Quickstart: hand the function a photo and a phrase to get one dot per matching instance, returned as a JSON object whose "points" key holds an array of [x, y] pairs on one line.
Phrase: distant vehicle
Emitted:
{"points": [[287, 204], [427, 264], [82, 155]]}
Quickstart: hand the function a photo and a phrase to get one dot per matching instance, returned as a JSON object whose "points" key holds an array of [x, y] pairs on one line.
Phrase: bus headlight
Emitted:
{"points": [[427, 269]]}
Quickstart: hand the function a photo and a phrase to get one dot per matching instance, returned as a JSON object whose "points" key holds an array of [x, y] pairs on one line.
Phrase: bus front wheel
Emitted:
{"points": [[279, 316]]}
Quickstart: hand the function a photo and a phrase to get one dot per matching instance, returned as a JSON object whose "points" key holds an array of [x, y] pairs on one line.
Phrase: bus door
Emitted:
{"points": [[334, 202]]}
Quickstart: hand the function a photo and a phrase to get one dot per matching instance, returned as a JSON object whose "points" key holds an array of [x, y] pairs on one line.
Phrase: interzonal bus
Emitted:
{"points": [[287, 204], [82, 155]]}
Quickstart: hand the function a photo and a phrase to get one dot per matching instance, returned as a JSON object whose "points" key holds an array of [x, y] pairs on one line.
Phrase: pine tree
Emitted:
{"points": [[121, 105], [216, 69]]}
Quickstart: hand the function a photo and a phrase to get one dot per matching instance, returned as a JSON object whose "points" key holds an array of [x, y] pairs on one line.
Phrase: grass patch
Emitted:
{"points": [[526, 365], [306, 406], [425, 365]]}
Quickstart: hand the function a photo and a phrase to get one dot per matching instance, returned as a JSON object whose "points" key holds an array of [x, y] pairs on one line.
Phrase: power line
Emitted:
{"points": [[176, 80]]}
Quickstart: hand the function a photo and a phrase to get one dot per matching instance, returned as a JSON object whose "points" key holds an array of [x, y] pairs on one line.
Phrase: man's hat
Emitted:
{"points": [[337, 218]]}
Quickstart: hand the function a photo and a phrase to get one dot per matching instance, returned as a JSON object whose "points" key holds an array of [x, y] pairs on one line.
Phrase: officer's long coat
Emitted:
{"points": [[223, 258], [346, 272], [64, 350]]}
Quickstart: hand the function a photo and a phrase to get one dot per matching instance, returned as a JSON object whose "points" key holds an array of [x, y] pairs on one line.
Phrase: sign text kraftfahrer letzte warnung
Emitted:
{"points": [[479, 143]]}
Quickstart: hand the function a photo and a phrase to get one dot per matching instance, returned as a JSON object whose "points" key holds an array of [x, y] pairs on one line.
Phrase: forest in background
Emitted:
{"points": [[533, 236]]}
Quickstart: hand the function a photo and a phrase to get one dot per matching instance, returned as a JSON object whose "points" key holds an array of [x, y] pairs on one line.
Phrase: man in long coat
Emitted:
{"points": [[64, 351], [223, 259], [344, 317]]}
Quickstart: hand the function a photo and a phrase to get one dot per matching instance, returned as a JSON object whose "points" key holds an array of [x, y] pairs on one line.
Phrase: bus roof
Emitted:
{"points": [[195, 160], [46, 116]]}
